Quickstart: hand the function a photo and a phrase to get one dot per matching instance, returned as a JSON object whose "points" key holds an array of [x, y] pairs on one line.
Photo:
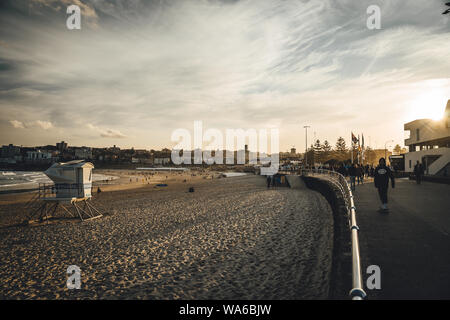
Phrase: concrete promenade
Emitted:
{"points": [[411, 244]]}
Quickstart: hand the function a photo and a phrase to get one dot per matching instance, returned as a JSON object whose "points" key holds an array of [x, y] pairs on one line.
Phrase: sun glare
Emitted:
{"points": [[428, 105]]}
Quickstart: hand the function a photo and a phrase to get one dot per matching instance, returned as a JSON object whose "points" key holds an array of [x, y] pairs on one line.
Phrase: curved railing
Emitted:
{"points": [[357, 292]]}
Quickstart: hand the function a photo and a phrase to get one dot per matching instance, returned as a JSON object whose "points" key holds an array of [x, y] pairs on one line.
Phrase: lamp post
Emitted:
{"points": [[385, 149], [306, 145]]}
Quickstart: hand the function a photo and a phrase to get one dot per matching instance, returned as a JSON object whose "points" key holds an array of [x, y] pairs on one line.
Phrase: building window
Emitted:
{"points": [[418, 134], [410, 164]]}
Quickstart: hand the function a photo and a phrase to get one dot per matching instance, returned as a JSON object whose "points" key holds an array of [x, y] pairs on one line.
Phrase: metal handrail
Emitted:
{"points": [[48, 190], [357, 292]]}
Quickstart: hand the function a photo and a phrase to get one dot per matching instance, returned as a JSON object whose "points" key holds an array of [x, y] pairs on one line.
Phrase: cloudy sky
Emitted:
{"points": [[138, 70]]}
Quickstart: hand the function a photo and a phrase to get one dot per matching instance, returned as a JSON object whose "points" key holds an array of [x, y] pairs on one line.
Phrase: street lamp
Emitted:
{"points": [[306, 145], [385, 150]]}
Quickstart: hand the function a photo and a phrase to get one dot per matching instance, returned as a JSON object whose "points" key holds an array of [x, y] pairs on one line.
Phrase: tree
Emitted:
{"points": [[311, 156], [370, 156], [317, 146], [317, 151], [326, 146], [340, 145], [341, 149], [397, 149], [326, 150]]}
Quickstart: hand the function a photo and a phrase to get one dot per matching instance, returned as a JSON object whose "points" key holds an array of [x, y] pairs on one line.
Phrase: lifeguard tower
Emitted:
{"points": [[71, 190]]}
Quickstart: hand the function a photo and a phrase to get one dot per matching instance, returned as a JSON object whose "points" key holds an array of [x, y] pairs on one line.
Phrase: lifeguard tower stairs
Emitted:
{"points": [[45, 204]]}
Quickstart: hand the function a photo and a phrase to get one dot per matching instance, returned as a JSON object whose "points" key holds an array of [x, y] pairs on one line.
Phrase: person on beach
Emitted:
{"points": [[269, 181], [418, 172], [381, 180], [352, 174]]}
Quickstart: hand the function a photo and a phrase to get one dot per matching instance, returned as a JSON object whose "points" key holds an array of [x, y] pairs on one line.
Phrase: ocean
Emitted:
{"points": [[11, 180]]}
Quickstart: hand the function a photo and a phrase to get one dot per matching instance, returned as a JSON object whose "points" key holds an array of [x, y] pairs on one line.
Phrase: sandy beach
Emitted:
{"points": [[230, 239]]}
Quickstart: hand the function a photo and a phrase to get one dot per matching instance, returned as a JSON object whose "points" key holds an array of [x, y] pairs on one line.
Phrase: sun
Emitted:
{"points": [[428, 105]]}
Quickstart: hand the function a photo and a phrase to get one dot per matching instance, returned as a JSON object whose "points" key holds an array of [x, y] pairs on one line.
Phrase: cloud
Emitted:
{"points": [[88, 13], [107, 133], [17, 124], [44, 124], [154, 66]]}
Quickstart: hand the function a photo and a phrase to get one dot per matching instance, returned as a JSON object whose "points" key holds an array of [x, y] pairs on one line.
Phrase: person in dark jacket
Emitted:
{"points": [[418, 172], [381, 179], [342, 170], [352, 172], [269, 181], [360, 174]]}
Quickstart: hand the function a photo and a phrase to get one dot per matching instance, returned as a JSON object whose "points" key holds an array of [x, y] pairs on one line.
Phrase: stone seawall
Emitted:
{"points": [[341, 277]]}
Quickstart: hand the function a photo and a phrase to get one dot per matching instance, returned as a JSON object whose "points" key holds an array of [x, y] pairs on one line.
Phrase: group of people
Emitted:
{"points": [[419, 172], [381, 174], [273, 181], [356, 172]]}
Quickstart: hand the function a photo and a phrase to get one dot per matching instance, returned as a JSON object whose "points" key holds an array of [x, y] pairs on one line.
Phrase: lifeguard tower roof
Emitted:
{"points": [[65, 172]]}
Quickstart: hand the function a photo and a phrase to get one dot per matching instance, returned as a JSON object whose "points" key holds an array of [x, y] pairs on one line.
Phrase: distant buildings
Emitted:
{"points": [[10, 154], [429, 143], [40, 156], [83, 153], [61, 146], [161, 161]]}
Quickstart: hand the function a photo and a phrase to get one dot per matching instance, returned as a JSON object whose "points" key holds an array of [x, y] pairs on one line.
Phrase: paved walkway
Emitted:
{"points": [[411, 244]]}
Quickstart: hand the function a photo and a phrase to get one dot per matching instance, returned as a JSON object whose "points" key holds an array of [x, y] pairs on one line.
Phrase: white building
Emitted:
{"points": [[429, 143], [161, 161], [38, 156]]}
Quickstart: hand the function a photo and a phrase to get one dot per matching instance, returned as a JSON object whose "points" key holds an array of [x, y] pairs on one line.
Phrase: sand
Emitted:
{"points": [[230, 239]]}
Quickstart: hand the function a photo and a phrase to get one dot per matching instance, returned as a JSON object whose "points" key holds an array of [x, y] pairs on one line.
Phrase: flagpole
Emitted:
{"points": [[362, 151], [359, 153], [351, 146]]}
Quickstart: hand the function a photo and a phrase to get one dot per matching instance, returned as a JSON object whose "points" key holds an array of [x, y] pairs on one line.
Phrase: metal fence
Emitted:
{"points": [[357, 292]]}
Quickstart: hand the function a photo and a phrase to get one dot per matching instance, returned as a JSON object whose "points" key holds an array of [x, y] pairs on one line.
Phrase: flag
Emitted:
{"points": [[354, 139]]}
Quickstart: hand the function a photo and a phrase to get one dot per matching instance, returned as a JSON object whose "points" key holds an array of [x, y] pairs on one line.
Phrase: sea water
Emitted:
{"points": [[31, 179]]}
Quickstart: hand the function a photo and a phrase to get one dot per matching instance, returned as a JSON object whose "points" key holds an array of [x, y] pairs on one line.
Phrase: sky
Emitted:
{"points": [[139, 70]]}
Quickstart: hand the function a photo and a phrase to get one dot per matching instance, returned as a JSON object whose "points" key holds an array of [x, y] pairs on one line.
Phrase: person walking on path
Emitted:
{"points": [[342, 170], [360, 174], [269, 181], [381, 180], [418, 172], [352, 173]]}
